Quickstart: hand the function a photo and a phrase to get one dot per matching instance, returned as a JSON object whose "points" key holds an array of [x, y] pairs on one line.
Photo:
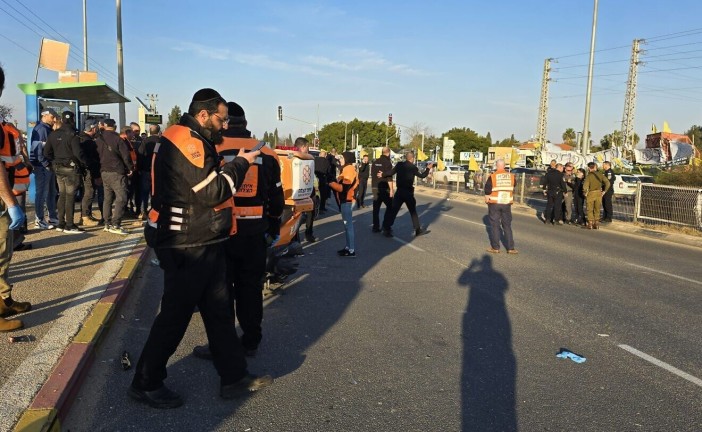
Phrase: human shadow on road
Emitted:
{"points": [[488, 378]]}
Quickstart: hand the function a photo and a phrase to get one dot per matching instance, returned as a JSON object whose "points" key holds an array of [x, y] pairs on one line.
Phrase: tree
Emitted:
{"points": [[610, 140], [174, 116], [466, 140], [488, 137], [569, 136], [695, 134], [6, 112]]}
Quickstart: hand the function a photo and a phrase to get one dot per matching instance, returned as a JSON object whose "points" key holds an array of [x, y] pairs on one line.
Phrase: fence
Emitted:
{"points": [[674, 205]]}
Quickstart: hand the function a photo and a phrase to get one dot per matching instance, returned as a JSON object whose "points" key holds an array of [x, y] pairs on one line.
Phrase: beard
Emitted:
{"points": [[212, 133]]}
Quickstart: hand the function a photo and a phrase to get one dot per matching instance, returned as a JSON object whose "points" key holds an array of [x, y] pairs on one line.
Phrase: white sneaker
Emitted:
{"points": [[73, 230], [41, 225], [107, 227], [118, 230]]}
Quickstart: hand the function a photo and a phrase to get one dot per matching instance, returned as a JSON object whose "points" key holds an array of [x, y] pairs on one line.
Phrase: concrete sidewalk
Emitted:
{"points": [[75, 283], [616, 226]]}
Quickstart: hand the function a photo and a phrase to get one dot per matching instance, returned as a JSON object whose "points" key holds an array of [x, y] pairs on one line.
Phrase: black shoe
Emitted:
{"points": [[163, 398], [376, 230], [348, 254], [341, 251], [387, 233], [202, 352], [420, 231], [310, 239], [248, 384]]}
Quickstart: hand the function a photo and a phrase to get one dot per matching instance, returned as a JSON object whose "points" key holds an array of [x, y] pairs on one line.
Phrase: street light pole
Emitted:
{"points": [[586, 127], [346, 128], [120, 65]]}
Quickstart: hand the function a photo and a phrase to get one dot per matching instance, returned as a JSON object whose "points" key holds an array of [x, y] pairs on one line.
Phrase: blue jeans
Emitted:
{"points": [[45, 193], [347, 217]]}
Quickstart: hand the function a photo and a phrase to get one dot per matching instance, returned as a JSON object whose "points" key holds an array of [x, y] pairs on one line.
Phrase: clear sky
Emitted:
{"points": [[444, 63]]}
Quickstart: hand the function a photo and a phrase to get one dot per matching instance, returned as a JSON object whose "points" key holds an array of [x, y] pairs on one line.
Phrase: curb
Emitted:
{"points": [[617, 227], [53, 401]]}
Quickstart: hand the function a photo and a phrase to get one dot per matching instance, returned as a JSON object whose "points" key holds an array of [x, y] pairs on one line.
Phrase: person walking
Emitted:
{"points": [[499, 196], [258, 205], [345, 188], [115, 167], [44, 178], [406, 171], [554, 188], [64, 152], [189, 221], [91, 176], [607, 211], [363, 174], [593, 186], [11, 218], [383, 188]]}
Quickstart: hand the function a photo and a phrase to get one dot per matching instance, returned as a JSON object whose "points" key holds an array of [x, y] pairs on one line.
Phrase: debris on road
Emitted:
{"points": [[23, 338], [565, 354], [126, 363]]}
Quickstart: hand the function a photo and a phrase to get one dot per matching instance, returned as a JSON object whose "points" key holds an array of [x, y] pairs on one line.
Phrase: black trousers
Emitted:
{"points": [[554, 207], [380, 196], [402, 196], [246, 268], [361, 191], [500, 216], [115, 186], [192, 277], [607, 211], [68, 182], [579, 215], [324, 194], [89, 189]]}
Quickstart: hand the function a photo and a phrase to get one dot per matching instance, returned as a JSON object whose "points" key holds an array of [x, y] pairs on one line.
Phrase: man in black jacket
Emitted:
{"points": [[363, 173], [406, 172], [607, 211], [115, 167], [145, 154], [64, 151], [554, 189], [91, 175], [382, 187], [321, 171]]}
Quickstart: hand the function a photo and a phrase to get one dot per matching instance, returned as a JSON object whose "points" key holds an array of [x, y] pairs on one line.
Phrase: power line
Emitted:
{"points": [[18, 45]]}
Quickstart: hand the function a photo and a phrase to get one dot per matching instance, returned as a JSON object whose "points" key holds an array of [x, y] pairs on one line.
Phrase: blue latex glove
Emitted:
{"points": [[17, 216], [567, 354]]}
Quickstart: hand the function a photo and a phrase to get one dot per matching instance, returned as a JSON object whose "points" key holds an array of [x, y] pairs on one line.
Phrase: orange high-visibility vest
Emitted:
{"points": [[9, 152], [502, 187], [21, 179]]}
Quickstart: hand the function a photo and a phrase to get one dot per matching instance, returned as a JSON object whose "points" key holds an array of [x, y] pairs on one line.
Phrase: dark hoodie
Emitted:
{"points": [[346, 184]]}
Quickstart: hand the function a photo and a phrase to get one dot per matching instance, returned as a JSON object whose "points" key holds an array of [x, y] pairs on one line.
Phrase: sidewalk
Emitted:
{"points": [[616, 226], [74, 282]]}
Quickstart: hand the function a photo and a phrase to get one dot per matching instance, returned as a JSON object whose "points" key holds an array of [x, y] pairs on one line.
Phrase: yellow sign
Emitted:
{"points": [[53, 55], [514, 159], [440, 164]]}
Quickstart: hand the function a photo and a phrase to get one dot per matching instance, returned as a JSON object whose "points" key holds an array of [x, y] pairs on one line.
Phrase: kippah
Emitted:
{"points": [[206, 94], [235, 110]]}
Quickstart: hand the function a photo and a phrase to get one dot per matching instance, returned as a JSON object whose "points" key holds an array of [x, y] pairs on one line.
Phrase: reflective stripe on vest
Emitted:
{"points": [[21, 179], [502, 188], [9, 153]]}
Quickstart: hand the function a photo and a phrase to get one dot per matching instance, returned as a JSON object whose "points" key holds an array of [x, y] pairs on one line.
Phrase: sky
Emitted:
{"points": [[440, 65]]}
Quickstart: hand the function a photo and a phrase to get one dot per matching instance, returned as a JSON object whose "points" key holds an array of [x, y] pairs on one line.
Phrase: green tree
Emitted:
{"points": [[569, 136], [174, 116], [370, 134], [467, 139], [488, 137], [6, 112], [610, 140], [695, 134]]}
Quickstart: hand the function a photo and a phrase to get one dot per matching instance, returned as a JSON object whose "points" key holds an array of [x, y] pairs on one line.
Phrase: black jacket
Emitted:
{"points": [[384, 165], [609, 174], [406, 172], [321, 169], [145, 153], [92, 157], [63, 148], [187, 189], [363, 171], [114, 154], [554, 182]]}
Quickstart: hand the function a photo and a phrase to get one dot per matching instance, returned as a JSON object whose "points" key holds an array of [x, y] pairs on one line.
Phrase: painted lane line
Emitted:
{"points": [[664, 365], [321, 240], [464, 220], [408, 244], [666, 274]]}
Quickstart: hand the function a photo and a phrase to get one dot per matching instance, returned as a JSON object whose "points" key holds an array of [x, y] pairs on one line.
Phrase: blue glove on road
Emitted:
{"points": [[17, 216]]}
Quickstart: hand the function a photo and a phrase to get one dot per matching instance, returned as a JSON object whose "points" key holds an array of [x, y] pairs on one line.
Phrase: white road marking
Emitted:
{"points": [[464, 220], [666, 274], [664, 365], [408, 244], [321, 240]]}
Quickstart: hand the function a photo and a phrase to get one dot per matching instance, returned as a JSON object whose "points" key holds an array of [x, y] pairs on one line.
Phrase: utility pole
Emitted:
{"points": [[153, 98], [588, 97], [120, 65], [85, 35], [543, 103], [630, 100]]}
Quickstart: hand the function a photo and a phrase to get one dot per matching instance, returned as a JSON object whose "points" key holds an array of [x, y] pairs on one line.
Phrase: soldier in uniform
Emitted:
{"points": [[593, 185], [607, 196], [499, 196]]}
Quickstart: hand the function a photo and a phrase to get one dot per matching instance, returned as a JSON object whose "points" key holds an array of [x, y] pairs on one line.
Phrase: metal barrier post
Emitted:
{"points": [[637, 202]]}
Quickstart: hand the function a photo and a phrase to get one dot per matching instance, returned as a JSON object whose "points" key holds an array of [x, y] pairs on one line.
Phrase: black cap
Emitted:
{"points": [[206, 94], [89, 125], [110, 123], [237, 117], [49, 111], [68, 116]]}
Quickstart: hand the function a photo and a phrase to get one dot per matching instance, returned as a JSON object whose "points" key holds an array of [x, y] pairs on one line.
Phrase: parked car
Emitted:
{"points": [[532, 182], [625, 185], [644, 178], [451, 174]]}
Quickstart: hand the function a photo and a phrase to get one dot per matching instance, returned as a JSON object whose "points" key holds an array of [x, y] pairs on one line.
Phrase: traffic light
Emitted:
{"points": [[280, 113], [390, 119]]}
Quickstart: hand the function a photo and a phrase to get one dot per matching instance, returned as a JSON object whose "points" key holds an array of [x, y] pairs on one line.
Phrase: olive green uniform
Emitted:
{"points": [[594, 186]]}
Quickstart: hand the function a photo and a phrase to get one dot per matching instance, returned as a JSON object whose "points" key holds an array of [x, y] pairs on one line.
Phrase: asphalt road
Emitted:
{"points": [[433, 333]]}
